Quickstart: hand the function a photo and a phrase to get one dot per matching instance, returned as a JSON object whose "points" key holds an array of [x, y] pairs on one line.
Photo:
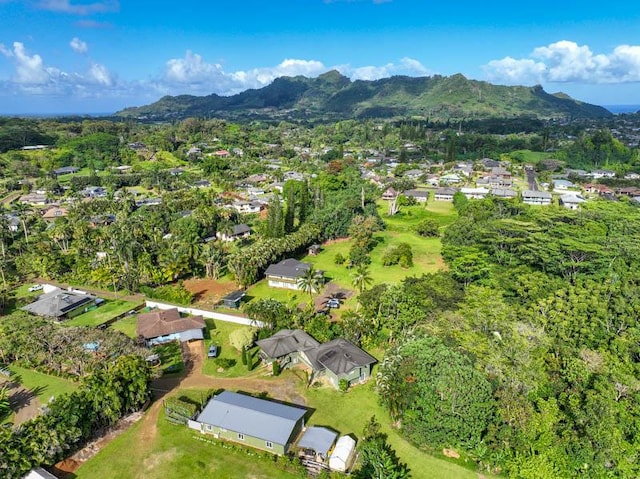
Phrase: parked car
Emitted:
{"points": [[213, 351], [35, 287], [333, 303]]}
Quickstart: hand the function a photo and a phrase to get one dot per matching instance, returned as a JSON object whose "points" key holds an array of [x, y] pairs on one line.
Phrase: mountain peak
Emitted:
{"points": [[333, 96]]}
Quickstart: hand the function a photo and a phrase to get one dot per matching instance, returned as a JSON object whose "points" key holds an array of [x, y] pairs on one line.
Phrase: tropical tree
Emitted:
{"points": [[361, 278], [310, 282]]}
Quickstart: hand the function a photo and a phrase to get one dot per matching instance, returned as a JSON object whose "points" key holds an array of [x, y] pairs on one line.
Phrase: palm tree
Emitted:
{"points": [[361, 278], [310, 282]]}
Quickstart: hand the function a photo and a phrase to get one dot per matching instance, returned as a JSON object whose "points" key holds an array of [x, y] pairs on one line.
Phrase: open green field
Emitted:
{"points": [[175, 453], [528, 156], [262, 290], [43, 385], [102, 314]]}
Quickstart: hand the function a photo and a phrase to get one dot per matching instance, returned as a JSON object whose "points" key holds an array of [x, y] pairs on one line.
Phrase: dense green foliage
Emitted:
{"points": [[334, 96], [543, 342], [113, 390]]}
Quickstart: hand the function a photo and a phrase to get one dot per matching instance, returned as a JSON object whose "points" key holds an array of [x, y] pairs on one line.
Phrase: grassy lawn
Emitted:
{"points": [[127, 325], [348, 413], [219, 335], [175, 454], [262, 290], [102, 314], [43, 385]]}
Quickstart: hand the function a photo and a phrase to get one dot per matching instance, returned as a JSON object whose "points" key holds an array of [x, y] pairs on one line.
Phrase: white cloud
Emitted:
{"points": [[78, 45], [32, 76], [5, 51], [567, 62], [193, 73], [67, 6]]}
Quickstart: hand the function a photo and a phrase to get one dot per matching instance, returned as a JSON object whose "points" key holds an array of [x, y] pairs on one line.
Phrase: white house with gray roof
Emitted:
{"points": [[531, 197], [259, 423]]}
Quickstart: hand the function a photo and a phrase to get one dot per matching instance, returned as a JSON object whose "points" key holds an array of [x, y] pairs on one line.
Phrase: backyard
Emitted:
{"points": [[102, 314]]}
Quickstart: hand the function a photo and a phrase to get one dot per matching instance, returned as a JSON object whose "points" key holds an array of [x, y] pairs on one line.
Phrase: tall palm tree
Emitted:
{"points": [[361, 278], [310, 282]]}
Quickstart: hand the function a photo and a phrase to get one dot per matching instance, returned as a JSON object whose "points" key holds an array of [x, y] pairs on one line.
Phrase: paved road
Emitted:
{"points": [[531, 179]]}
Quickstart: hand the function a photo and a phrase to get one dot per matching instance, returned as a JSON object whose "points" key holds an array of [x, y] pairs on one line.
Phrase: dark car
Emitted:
{"points": [[213, 351]]}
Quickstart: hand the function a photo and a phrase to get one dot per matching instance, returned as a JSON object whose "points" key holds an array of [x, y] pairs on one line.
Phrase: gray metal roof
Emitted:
{"points": [[267, 420], [57, 303], [536, 194], [339, 356], [288, 268], [287, 341], [320, 439]]}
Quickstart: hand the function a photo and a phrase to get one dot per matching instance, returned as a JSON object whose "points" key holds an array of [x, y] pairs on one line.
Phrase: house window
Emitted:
{"points": [[241, 436], [269, 444], [209, 427]]}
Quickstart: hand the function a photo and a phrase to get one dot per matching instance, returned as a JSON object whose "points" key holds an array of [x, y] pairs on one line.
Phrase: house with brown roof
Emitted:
{"points": [[54, 212], [164, 325]]}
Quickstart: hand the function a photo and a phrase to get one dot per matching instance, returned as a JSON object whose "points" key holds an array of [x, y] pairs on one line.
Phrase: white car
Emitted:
{"points": [[35, 287]]}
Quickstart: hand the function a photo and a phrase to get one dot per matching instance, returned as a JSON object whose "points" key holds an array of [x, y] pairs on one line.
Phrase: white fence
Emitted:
{"points": [[230, 318]]}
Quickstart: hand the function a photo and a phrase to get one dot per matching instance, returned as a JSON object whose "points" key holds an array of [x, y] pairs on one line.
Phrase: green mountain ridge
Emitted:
{"points": [[333, 96]]}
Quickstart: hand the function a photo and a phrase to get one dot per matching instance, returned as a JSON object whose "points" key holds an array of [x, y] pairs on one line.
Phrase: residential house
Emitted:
{"points": [[239, 231], [465, 169], [248, 207], [34, 199], [474, 193], [504, 193], [95, 192], [445, 194], [176, 171], [286, 273], [562, 185], [390, 194], [293, 175], [603, 174], [222, 153], [62, 304], [13, 222], [414, 174], [164, 325], [632, 176], [597, 188], [421, 196], [531, 197], [202, 184], [489, 163], [336, 360], [259, 423], [450, 179], [629, 191], [65, 170], [54, 212], [571, 202]]}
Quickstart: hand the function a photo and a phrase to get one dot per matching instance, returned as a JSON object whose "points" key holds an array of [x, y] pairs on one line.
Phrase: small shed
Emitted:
{"points": [[314, 249], [317, 441], [342, 456], [233, 299]]}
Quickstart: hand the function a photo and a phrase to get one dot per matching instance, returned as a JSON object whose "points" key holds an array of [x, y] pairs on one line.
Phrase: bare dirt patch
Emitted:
{"points": [[24, 402], [208, 292], [331, 290]]}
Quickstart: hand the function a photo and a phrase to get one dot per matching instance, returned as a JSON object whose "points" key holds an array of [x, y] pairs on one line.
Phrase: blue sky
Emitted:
{"points": [[98, 56]]}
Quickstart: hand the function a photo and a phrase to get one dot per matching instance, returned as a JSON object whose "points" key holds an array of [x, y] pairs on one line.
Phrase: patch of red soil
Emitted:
{"points": [[208, 291], [334, 241]]}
